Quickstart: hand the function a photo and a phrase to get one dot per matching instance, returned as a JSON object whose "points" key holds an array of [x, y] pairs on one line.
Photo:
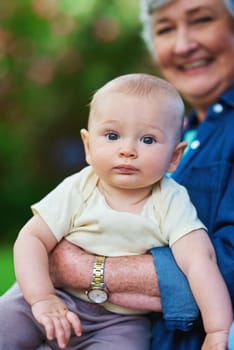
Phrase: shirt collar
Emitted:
{"points": [[226, 100]]}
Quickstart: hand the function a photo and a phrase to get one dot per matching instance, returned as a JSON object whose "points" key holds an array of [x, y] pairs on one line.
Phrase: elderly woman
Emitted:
{"points": [[192, 43]]}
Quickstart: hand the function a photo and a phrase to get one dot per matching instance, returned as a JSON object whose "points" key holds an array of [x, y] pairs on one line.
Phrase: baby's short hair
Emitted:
{"points": [[139, 84], [142, 85]]}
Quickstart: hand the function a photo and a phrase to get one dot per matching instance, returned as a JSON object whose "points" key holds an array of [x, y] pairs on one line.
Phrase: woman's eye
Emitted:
{"points": [[111, 136], [203, 19], [148, 140], [163, 30]]}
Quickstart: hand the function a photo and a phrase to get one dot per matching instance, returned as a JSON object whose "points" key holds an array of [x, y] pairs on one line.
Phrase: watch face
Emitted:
{"points": [[97, 296]]}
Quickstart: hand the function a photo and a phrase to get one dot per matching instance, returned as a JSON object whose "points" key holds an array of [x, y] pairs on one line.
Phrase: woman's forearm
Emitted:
{"points": [[136, 301], [71, 267], [132, 274]]}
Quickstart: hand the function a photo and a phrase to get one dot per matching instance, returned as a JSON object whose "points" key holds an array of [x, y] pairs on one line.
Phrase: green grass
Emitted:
{"points": [[7, 276]]}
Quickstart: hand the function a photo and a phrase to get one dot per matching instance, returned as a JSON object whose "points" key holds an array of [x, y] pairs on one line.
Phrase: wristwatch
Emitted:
{"points": [[98, 292]]}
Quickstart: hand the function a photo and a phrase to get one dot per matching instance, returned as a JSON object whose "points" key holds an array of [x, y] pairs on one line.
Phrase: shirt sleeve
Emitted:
{"points": [[178, 214], [58, 207], [179, 307]]}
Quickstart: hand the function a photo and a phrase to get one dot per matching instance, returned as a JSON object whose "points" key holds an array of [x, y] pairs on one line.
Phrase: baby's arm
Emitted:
{"points": [[31, 250], [195, 255]]}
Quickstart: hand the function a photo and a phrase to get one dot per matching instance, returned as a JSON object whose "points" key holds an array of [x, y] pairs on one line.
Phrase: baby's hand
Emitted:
{"points": [[216, 341], [53, 314]]}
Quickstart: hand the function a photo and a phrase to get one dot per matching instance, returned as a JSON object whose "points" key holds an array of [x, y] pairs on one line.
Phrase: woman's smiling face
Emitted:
{"points": [[195, 48]]}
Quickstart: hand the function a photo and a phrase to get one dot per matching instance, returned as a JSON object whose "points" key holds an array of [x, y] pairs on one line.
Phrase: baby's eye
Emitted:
{"points": [[111, 136], [148, 140]]}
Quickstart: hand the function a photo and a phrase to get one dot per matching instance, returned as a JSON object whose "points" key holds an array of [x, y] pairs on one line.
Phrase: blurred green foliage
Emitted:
{"points": [[53, 55], [6, 267]]}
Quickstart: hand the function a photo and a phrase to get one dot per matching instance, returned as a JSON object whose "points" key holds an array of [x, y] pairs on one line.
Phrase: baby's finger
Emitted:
{"points": [[49, 327], [67, 328], [75, 322], [60, 333]]}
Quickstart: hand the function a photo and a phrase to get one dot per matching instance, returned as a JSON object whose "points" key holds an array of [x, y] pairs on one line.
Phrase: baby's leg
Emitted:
{"points": [[19, 330], [106, 330], [128, 333]]}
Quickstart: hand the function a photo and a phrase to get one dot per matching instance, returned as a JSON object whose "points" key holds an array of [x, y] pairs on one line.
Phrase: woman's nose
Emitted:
{"points": [[184, 41]]}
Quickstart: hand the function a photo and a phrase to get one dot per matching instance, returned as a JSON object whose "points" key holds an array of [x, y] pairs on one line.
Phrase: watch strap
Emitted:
{"points": [[98, 271]]}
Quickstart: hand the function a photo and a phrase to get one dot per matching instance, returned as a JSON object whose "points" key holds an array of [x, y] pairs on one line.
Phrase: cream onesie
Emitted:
{"points": [[77, 211]]}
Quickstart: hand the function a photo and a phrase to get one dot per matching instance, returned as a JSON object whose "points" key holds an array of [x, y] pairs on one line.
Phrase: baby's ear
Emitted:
{"points": [[85, 138], [178, 152]]}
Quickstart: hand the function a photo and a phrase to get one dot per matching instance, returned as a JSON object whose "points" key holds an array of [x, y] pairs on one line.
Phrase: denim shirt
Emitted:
{"points": [[207, 171]]}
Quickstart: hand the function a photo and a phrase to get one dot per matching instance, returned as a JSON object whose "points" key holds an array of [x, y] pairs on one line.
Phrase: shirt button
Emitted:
{"points": [[195, 144], [218, 108]]}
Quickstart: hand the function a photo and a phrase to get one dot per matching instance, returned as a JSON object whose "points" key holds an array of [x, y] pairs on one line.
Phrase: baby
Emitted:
{"points": [[122, 203]]}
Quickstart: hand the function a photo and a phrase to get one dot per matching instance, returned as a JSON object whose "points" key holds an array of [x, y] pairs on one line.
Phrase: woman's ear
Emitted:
{"points": [[85, 138], [178, 152]]}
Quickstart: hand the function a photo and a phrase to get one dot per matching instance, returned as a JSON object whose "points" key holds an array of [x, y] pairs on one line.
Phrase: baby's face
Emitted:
{"points": [[131, 139]]}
